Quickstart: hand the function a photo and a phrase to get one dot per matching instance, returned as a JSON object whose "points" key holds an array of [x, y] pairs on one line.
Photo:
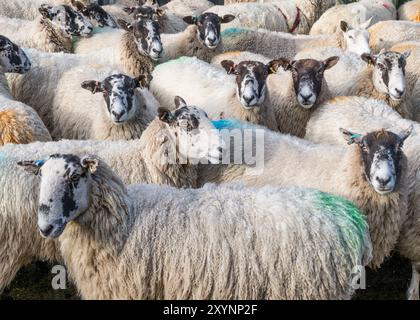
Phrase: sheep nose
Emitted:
{"points": [[118, 115], [399, 92], [383, 182], [306, 97], [248, 99], [157, 51], [46, 231]]}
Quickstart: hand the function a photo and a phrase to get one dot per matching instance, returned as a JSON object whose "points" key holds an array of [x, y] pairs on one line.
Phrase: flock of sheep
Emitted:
{"points": [[97, 100]]}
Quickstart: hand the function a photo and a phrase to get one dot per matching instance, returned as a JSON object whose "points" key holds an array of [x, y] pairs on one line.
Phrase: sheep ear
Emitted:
{"points": [[78, 5], [160, 12], [405, 134], [351, 137], [179, 102], [190, 19], [227, 18], [45, 11], [90, 163], [31, 166], [274, 65], [165, 115], [92, 85], [366, 24], [406, 54], [229, 66], [344, 26], [129, 10], [125, 25], [143, 81], [331, 62], [368, 58]]}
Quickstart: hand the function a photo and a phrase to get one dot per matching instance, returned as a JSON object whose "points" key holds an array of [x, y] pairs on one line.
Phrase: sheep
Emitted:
{"points": [[122, 112], [109, 238], [19, 123], [97, 14], [201, 38], [354, 13], [148, 161], [274, 44], [384, 79], [385, 34], [282, 16], [362, 115], [410, 11], [196, 80], [29, 9], [378, 188], [183, 8], [169, 23], [51, 32], [310, 9]]}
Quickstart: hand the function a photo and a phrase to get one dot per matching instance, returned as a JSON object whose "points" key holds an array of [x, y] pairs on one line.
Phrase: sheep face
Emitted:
{"points": [[120, 96], [389, 72], [356, 39], [146, 36], [96, 14], [12, 58], [308, 77], [69, 21], [190, 135], [381, 153], [251, 79], [64, 190], [208, 27]]}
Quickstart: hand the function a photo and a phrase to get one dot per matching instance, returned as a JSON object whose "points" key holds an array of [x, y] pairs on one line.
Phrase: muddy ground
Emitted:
{"points": [[390, 282]]}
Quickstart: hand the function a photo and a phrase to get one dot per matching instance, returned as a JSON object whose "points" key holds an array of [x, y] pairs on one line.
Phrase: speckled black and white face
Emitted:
{"points": [[12, 58], [389, 72], [119, 94], [308, 76], [64, 190], [356, 39], [208, 27], [98, 15], [381, 153], [193, 133], [68, 20], [251, 77], [146, 36]]}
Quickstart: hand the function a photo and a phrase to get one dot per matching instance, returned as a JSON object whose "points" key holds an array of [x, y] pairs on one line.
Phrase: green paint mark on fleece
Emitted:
{"points": [[178, 60], [232, 32], [348, 217]]}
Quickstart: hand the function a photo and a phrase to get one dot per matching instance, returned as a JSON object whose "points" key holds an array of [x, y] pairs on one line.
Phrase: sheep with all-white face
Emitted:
{"points": [[151, 159], [19, 123], [279, 44], [158, 242], [363, 115]]}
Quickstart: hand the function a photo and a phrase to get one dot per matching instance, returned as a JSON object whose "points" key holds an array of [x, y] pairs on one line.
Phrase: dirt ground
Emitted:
{"points": [[388, 283]]}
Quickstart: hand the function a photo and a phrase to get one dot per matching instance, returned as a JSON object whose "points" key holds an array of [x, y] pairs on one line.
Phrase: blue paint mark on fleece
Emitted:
{"points": [[3, 158], [232, 32], [232, 124], [178, 60]]}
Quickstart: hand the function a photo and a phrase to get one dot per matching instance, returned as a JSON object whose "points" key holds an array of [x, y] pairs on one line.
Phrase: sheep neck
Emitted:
{"points": [[154, 156], [57, 41], [133, 62], [4, 86], [384, 212]]}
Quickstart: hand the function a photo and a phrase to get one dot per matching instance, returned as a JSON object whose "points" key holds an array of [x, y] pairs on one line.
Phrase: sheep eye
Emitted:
{"points": [[350, 37], [75, 177]]}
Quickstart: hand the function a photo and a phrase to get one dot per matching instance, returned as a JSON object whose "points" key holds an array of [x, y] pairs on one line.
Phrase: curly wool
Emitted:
{"points": [[196, 80], [39, 34], [122, 248]]}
